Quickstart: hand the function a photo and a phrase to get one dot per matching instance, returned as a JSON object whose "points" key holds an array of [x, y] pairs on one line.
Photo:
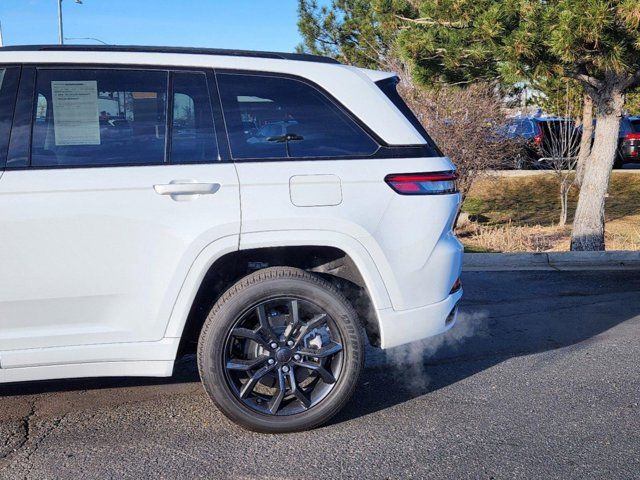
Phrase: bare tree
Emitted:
{"points": [[465, 122], [560, 149]]}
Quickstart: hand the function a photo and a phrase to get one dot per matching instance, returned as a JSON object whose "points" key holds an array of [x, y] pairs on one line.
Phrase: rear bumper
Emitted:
{"points": [[405, 326]]}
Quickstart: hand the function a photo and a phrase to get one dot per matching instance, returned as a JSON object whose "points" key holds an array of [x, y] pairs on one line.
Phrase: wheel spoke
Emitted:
{"points": [[245, 365], [265, 326], [248, 387], [297, 391], [282, 356], [275, 402], [316, 321], [326, 351], [294, 309], [250, 335], [326, 375]]}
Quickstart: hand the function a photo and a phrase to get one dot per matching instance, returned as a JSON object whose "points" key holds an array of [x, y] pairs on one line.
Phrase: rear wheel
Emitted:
{"points": [[281, 351]]}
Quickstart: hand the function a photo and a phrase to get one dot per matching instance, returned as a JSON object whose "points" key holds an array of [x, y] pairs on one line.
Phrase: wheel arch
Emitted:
{"points": [[216, 269]]}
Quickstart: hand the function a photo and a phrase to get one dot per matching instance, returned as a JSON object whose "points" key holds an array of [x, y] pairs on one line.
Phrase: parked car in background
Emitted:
{"points": [[544, 140], [628, 141]]}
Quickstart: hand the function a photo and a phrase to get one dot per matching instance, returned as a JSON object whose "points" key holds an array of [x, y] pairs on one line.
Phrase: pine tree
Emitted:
{"points": [[456, 42], [595, 42]]}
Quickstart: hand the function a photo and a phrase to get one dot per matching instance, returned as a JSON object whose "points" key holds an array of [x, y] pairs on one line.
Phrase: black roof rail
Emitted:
{"points": [[304, 57]]}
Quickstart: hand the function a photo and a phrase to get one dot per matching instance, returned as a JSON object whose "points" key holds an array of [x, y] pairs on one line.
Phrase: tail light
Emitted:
{"points": [[456, 286], [632, 136], [538, 138], [437, 183]]}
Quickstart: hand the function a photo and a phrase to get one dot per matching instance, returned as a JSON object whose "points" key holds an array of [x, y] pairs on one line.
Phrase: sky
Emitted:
{"points": [[240, 24]]}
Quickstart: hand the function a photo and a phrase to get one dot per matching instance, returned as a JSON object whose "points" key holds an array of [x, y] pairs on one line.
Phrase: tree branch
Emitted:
{"points": [[633, 82], [593, 82], [431, 22]]}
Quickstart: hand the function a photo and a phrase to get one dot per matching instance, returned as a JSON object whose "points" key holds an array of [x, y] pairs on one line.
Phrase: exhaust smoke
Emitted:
{"points": [[410, 361]]}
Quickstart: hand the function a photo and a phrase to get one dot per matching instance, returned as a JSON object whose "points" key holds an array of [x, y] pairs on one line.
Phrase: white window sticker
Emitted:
{"points": [[75, 112]]}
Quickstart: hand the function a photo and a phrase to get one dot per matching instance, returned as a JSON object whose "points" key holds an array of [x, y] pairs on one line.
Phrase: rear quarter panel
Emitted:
{"points": [[407, 238]]}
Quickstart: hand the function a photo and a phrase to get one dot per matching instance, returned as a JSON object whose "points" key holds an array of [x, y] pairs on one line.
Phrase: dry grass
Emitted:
{"points": [[513, 238], [518, 215]]}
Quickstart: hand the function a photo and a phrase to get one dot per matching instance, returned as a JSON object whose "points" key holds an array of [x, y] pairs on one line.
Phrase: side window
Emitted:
{"points": [[275, 117], [9, 78], [93, 117], [527, 128], [193, 138]]}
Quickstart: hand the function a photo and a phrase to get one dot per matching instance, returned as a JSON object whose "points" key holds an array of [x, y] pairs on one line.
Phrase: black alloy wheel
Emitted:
{"points": [[281, 351]]}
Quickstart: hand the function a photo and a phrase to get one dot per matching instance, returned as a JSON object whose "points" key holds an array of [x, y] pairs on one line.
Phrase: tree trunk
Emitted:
{"points": [[587, 138], [588, 225], [564, 203]]}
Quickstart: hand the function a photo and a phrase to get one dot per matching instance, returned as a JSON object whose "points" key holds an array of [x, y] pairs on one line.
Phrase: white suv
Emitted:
{"points": [[265, 210]]}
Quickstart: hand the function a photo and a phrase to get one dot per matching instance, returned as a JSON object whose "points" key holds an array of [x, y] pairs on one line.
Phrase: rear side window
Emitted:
{"points": [[389, 88], [270, 117], [86, 117], [193, 137], [9, 78], [525, 128]]}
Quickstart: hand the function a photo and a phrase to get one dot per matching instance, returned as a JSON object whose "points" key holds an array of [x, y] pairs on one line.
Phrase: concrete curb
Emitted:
{"points": [[534, 173], [551, 261]]}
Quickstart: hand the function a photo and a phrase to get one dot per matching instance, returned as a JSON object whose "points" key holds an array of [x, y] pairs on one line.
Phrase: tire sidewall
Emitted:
{"points": [[222, 319]]}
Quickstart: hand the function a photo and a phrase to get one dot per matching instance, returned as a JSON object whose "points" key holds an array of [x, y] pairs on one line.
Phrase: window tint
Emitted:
{"points": [[8, 87], [635, 126], [99, 117], [193, 136], [275, 117]]}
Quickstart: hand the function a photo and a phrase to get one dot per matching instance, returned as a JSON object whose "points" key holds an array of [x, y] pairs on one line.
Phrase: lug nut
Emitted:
{"points": [[285, 369], [290, 343], [274, 345], [271, 361], [297, 357]]}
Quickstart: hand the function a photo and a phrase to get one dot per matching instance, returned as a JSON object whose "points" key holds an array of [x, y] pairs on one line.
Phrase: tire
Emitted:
{"points": [[234, 337]]}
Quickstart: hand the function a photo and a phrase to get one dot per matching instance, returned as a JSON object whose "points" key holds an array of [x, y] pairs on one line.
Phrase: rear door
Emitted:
{"points": [[113, 184], [312, 173], [288, 138]]}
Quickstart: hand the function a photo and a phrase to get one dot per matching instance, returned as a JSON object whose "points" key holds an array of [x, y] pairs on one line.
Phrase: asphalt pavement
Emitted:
{"points": [[540, 378]]}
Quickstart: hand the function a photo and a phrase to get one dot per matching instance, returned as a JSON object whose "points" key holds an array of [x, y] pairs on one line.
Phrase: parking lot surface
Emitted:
{"points": [[540, 378]]}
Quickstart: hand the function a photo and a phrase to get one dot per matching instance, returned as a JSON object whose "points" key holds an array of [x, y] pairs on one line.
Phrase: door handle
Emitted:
{"points": [[186, 187]]}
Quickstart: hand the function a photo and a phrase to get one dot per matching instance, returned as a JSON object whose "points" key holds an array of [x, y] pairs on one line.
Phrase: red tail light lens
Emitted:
{"points": [[538, 138], [456, 286], [437, 183], [632, 136]]}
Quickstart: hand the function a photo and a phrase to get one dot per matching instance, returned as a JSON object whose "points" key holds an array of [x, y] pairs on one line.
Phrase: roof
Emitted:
{"points": [[304, 57]]}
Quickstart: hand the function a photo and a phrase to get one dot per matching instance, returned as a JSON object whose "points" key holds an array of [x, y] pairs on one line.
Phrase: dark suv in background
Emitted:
{"points": [[628, 141], [544, 138]]}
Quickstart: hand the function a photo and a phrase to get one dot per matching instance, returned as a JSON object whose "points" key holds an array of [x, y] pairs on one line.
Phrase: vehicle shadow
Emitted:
{"points": [[504, 315], [500, 319], [185, 371]]}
